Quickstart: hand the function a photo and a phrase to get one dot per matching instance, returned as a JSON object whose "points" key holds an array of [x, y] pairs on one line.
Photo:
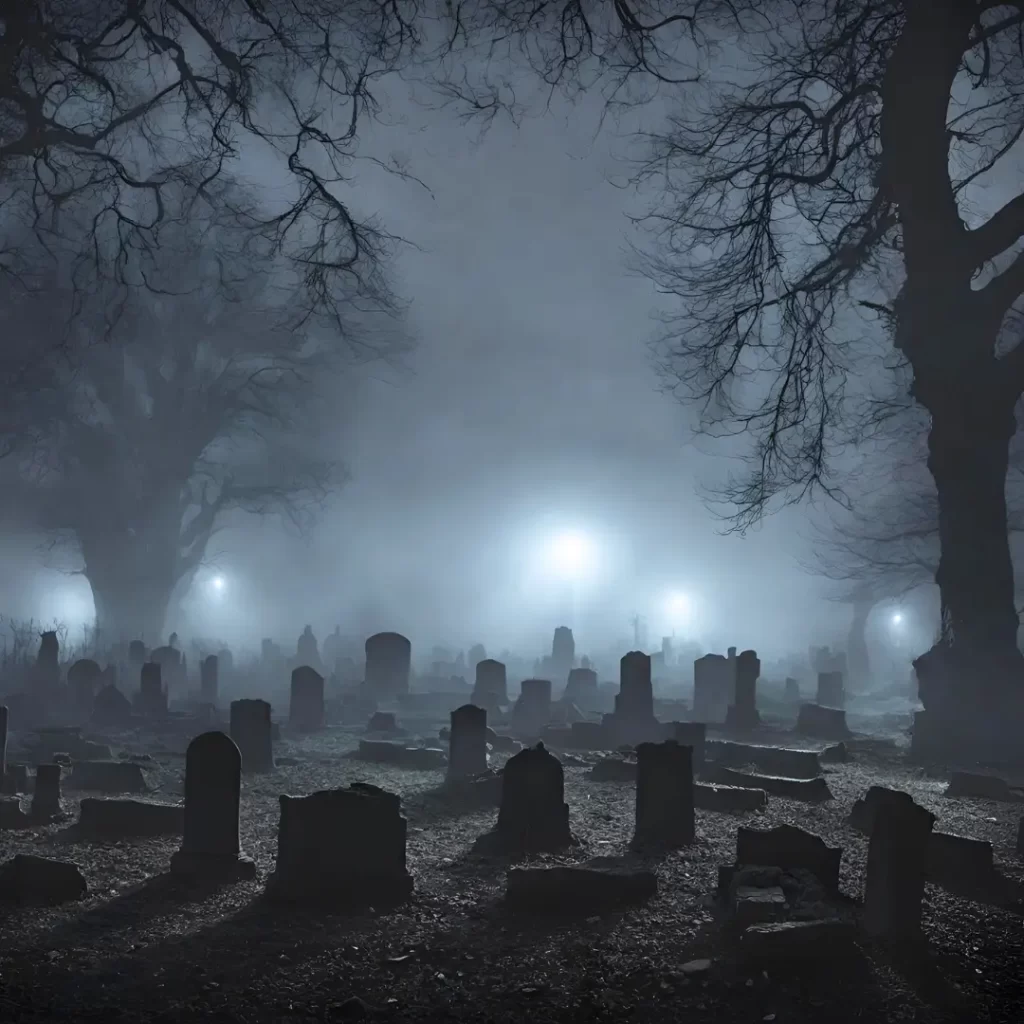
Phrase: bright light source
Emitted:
{"points": [[217, 583], [571, 555], [897, 618], [677, 605]]}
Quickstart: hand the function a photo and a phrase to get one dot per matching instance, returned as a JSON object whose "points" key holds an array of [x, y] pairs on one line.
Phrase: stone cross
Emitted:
{"points": [[252, 731], [388, 665], [210, 845], [306, 712], [664, 795], [467, 744], [208, 679], [897, 866]]}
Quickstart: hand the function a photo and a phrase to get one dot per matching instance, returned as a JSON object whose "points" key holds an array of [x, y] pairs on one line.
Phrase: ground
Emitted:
{"points": [[141, 949]]}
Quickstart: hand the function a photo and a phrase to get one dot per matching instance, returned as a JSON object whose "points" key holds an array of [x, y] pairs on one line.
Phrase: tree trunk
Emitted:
{"points": [[858, 661]]}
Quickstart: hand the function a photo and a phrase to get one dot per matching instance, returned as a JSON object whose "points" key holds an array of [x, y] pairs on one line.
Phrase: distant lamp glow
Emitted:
{"points": [[677, 605], [218, 584], [897, 619], [571, 555]]}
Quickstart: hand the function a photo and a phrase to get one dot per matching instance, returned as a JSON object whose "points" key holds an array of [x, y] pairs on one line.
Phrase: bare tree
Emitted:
{"points": [[203, 401]]}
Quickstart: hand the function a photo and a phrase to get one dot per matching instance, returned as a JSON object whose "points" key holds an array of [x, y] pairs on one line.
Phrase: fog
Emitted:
{"points": [[528, 408]]}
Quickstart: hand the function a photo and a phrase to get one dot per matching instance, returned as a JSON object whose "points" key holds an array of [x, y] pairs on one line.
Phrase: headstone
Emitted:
{"points": [[792, 690], [137, 653], [897, 867], [341, 846], [115, 818], [84, 678], [743, 713], [467, 745], [252, 732], [306, 712], [563, 652], [532, 710], [46, 799], [825, 723], [1020, 838], [533, 816], [152, 695], [788, 847], [581, 689], [490, 689], [388, 664], [633, 719], [712, 688], [3, 741], [208, 679], [830, 690], [30, 880], [111, 707], [694, 736], [213, 785], [47, 669], [664, 795]]}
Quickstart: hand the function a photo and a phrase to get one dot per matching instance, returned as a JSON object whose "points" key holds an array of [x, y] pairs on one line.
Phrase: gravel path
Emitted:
{"points": [[139, 949]]}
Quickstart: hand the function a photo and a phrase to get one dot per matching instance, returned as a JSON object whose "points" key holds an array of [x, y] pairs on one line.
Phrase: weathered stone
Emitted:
{"points": [[210, 845], [388, 665], [982, 787], [415, 758], [778, 761], [490, 688], [4, 717], [790, 940], [15, 779], [713, 684], [633, 720], [111, 708], [1020, 838], [341, 847], [835, 754], [788, 847], [664, 795], [613, 769], [384, 722], [467, 748], [577, 889], [757, 904], [46, 802], [823, 722], [152, 697], [742, 713], [306, 711], [811, 790], [11, 814], [581, 688], [831, 693], [84, 680], [960, 865], [533, 816], [252, 732], [728, 798], [532, 709], [30, 881], [792, 690], [897, 867], [130, 818], [108, 777]]}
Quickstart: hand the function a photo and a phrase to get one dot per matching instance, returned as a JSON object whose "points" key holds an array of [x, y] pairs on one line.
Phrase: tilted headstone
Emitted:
{"points": [[467, 744], [742, 714], [664, 795], [897, 866], [830, 690], [712, 688], [252, 732], [490, 689], [84, 680], [581, 689], [307, 712], [532, 710], [210, 844], [388, 665], [209, 670], [341, 846], [533, 816], [46, 798]]}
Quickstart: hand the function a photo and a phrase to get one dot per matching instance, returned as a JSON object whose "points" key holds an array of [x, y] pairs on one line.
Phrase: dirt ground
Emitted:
{"points": [[141, 948]]}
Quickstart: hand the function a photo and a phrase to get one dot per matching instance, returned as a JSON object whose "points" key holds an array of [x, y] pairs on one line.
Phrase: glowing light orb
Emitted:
{"points": [[677, 605], [897, 618], [217, 583], [571, 555]]}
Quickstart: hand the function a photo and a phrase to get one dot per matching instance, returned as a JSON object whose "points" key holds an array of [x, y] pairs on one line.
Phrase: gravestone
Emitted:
{"points": [[490, 689], [563, 652], [664, 795], [3, 741], [137, 653], [792, 690], [467, 745], [388, 664], [533, 816], [210, 845], [897, 866], [341, 847], [306, 712], [830, 690], [1020, 838], [581, 689], [532, 710], [822, 722], [712, 688], [252, 732], [84, 678], [743, 713], [152, 695], [46, 798], [633, 719], [111, 708], [208, 679], [788, 847], [694, 736], [47, 668]]}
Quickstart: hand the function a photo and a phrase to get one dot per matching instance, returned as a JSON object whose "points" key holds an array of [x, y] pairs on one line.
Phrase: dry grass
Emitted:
{"points": [[140, 950]]}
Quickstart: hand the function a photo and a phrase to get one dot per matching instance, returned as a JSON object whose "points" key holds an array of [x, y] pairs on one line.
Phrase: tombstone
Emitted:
{"points": [[581, 688], [825, 723], [1020, 838], [633, 719], [830, 690], [664, 795], [46, 798], [742, 714], [477, 653], [3, 741], [169, 658], [47, 667], [792, 690], [694, 736], [252, 733], [208, 679], [897, 867], [712, 688], [730, 656], [210, 846], [306, 712], [137, 653], [83, 682], [532, 711], [490, 690], [388, 664], [152, 695], [110, 707], [563, 652], [533, 816], [467, 745], [341, 846]]}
